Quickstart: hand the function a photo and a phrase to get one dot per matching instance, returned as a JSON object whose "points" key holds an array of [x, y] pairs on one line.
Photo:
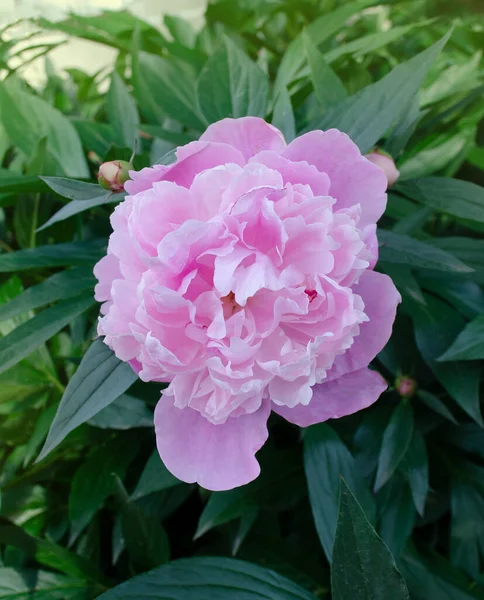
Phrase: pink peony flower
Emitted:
{"points": [[242, 274]]}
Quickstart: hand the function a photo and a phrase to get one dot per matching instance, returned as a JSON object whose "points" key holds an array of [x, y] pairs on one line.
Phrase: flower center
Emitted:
{"points": [[229, 305], [311, 294]]}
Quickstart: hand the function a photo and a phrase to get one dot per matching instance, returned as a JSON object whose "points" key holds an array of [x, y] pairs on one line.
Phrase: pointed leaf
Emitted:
{"points": [[415, 464], [283, 116], [99, 380], [53, 255], [57, 287], [122, 113], [26, 337], [93, 482], [403, 249], [396, 440], [124, 413], [370, 113], [435, 329], [209, 578], [78, 206], [328, 87], [362, 565], [231, 85], [145, 538], [469, 344], [452, 196], [326, 459], [154, 478]]}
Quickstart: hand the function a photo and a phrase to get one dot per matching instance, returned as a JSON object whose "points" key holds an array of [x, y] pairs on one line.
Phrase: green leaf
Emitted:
{"points": [[396, 440], [468, 250], [181, 30], [452, 196], [370, 113], [469, 344], [144, 536], [231, 85], [93, 483], [60, 286], [72, 188], [278, 487], [467, 529], [13, 183], [53, 255], [369, 43], [124, 413], [436, 327], [31, 119], [437, 154], [328, 87], [427, 583], [414, 222], [456, 78], [99, 380], [397, 516], [154, 478], [320, 30], [76, 207], [48, 553], [209, 578], [415, 464], [122, 113], [466, 296], [283, 116], [402, 249], [326, 459], [20, 584], [404, 128], [96, 137], [21, 341], [362, 565], [165, 87], [436, 405]]}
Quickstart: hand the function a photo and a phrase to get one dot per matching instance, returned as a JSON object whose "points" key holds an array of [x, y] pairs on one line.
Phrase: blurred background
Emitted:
{"points": [[83, 54]]}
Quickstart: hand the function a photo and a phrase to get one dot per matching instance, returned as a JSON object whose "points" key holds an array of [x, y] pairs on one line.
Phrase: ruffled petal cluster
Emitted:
{"points": [[242, 274]]}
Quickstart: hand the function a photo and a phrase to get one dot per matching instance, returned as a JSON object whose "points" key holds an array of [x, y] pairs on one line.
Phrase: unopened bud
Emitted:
{"points": [[385, 162], [406, 386], [113, 175]]}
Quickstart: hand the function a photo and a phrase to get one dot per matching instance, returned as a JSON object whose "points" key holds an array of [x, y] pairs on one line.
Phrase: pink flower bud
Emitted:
{"points": [[384, 161], [113, 175], [406, 386]]}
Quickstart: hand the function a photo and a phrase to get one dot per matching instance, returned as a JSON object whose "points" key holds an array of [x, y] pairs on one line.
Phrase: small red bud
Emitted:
{"points": [[385, 162], [113, 175], [406, 386]]}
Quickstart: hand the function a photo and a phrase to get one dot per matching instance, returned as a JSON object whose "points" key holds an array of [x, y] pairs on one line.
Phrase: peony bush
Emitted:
{"points": [[241, 306]]}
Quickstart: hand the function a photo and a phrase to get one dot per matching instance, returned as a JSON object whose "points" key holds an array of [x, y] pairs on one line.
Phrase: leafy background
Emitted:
{"points": [[99, 508]]}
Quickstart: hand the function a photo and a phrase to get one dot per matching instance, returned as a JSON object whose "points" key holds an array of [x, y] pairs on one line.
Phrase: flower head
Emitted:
{"points": [[242, 274]]}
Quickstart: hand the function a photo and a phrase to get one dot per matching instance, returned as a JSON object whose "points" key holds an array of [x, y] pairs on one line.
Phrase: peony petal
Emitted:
{"points": [[381, 299], [217, 457], [354, 179], [249, 135], [336, 399], [295, 172], [106, 271], [191, 160]]}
